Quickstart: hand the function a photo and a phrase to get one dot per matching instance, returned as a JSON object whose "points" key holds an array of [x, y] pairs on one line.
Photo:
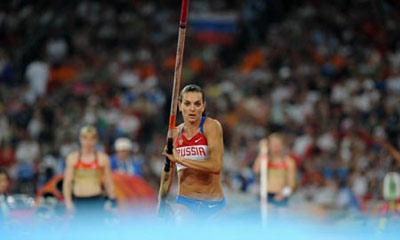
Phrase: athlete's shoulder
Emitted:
{"points": [[73, 154], [102, 156], [72, 157], [212, 124], [290, 161]]}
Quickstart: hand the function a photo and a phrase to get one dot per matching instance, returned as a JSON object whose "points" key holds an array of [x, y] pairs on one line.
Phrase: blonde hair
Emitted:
{"points": [[277, 136], [88, 130]]}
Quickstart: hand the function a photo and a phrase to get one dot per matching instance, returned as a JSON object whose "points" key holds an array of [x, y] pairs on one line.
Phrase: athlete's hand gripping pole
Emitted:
{"points": [[166, 174]]}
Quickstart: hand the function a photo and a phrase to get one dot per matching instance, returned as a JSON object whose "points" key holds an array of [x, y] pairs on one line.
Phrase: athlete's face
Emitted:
{"points": [[276, 145], [192, 106], [88, 140]]}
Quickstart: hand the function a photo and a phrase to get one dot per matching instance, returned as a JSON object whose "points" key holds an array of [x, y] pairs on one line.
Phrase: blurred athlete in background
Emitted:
{"points": [[281, 169], [87, 172]]}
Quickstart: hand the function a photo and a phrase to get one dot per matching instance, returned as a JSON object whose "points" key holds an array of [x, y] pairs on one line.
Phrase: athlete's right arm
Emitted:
{"points": [[67, 182], [168, 177], [256, 165]]}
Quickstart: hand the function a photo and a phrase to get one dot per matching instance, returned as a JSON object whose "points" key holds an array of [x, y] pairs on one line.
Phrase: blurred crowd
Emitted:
{"points": [[326, 74]]}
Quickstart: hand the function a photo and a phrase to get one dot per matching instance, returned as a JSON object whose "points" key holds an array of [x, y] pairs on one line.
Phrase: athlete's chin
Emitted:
{"points": [[192, 119], [88, 146]]}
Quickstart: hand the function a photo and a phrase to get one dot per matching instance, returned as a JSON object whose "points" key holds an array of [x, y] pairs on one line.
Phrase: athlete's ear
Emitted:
{"points": [[179, 106]]}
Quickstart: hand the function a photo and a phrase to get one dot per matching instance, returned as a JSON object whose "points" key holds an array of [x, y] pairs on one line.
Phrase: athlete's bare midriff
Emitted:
{"points": [[200, 185], [277, 177], [87, 188], [276, 180], [89, 184]]}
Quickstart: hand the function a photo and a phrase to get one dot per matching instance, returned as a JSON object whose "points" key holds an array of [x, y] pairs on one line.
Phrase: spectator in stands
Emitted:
{"points": [[126, 159]]}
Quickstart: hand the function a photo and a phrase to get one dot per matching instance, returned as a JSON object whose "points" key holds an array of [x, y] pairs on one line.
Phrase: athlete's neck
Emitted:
{"points": [[276, 157], [191, 128], [87, 151]]}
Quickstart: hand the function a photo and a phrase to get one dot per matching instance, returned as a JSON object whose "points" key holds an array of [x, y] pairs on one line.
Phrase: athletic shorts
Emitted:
{"points": [[89, 206], [281, 203], [202, 208]]}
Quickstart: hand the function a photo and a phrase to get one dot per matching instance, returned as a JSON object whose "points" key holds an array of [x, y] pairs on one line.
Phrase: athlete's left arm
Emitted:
{"points": [[291, 173], [108, 182], [214, 135]]}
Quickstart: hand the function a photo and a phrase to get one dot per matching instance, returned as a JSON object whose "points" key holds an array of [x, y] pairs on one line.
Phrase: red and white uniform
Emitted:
{"points": [[195, 148]]}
